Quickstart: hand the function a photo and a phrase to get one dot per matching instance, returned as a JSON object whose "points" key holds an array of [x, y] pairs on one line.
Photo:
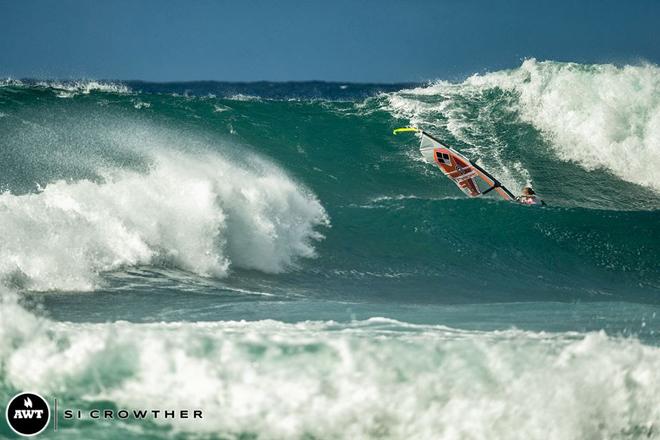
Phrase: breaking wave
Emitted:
{"points": [[202, 214], [377, 378], [599, 116]]}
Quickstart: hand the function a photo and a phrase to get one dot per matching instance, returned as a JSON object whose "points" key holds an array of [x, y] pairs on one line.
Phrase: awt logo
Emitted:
{"points": [[28, 414]]}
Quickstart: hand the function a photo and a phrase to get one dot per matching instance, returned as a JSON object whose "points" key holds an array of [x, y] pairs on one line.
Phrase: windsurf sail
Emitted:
{"points": [[473, 180]]}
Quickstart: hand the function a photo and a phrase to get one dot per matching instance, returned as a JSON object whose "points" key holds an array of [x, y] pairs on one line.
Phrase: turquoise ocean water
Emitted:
{"points": [[270, 253]]}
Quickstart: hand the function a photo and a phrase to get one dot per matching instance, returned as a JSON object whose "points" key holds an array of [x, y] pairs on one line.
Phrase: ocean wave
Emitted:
{"points": [[378, 378], [200, 213], [10, 82], [599, 116], [243, 97], [70, 88], [596, 235], [85, 87]]}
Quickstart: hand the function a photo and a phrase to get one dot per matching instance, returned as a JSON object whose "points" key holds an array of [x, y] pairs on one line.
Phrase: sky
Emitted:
{"points": [[285, 40]]}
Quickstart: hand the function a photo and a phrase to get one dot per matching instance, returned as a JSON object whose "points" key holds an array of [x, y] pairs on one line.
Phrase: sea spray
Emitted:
{"points": [[201, 214], [599, 116]]}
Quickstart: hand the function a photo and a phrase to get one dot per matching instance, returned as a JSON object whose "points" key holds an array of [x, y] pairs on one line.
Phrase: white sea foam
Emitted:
{"points": [[140, 104], [599, 116], [442, 106], [66, 89], [202, 213], [370, 379], [85, 87], [217, 108], [8, 82], [243, 97]]}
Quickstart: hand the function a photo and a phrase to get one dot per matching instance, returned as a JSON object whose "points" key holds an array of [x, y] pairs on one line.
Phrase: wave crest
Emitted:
{"points": [[599, 116], [70, 88], [201, 213]]}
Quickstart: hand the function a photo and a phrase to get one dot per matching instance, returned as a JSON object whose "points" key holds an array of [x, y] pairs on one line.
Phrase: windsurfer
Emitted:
{"points": [[529, 197]]}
